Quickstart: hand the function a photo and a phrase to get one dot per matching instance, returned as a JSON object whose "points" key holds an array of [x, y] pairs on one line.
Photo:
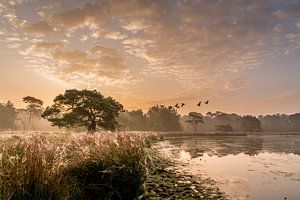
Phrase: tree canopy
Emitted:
{"points": [[34, 108], [134, 120], [163, 118], [224, 128], [250, 124], [294, 121], [84, 108], [8, 116], [194, 119]]}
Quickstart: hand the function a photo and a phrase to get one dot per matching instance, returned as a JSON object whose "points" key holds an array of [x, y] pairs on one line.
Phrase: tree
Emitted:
{"points": [[194, 119], [162, 118], [224, 128], [250, 124], [276, 123], [83, 108], [134, 120], [295, 121], [34, 108], [8, 116]]}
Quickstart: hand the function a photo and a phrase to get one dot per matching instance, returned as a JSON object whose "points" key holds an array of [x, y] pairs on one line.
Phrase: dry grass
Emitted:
{"points": [[73, 166]]}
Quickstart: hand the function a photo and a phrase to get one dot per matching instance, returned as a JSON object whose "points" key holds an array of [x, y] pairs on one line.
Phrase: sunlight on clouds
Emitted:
{"points": [[135, 26], [39, 28], [88, 15], [49, 45], [201, 44], [84, 38]]}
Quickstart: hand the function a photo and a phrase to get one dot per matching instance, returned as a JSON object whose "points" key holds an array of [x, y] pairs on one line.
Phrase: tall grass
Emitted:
{"points": [[99, 166]]}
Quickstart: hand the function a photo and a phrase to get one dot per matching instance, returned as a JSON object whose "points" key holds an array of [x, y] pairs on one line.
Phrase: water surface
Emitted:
{"points": [[244, 167]]}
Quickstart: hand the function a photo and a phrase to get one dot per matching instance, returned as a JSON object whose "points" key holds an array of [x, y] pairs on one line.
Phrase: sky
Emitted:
{"points": [[242, 55]]}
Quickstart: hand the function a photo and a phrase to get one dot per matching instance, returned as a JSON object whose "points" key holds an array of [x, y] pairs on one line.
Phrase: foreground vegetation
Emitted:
{"points": [[99, 166], [84, 166]]}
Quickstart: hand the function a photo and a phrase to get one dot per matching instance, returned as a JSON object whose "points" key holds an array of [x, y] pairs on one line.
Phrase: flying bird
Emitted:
{"points": [[206, 102], [182, 104], [177, 105], [199, 104]]}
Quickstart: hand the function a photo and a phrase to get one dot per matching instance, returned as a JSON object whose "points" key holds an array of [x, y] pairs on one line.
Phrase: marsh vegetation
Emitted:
{"points": [[76, 166]]}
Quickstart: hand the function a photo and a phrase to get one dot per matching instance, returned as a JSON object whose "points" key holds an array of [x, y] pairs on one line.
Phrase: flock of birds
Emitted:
{"points": [[180, 105]]}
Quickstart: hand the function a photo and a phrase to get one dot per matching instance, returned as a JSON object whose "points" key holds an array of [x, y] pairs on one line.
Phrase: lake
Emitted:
{"points": [[244, 167]]}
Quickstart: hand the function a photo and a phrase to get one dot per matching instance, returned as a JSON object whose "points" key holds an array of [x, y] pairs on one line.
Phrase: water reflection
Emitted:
{"points": [[245, 167], [225, 145]]}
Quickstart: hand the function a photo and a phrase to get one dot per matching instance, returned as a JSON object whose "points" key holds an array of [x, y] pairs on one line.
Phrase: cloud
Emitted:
{"points": [[113, 62], [196, 43], [84, 38], [69, 56], [41, 28], [13, 39], [100, 61], [135, 26], [98, 49], [115, 35], [77, 68], [49, 45], [290, 11], [79, 16]]}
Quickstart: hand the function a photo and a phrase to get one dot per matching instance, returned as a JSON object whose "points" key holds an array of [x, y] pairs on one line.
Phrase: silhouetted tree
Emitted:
{"points": [[194, 119], [162, 118], [211, 120], [295, 121], [250, 124], [278, 122], [224, 128], [8, 116], [83, 108], [134, 120], [34, 108]]}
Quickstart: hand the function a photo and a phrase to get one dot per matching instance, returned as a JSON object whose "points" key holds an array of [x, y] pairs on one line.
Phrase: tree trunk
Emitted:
{"points": [[29, 121], [195, 127], [92, 127]]}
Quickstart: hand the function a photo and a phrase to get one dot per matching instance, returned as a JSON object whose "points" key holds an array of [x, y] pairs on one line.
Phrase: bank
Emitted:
{"points": [[165, 181]]}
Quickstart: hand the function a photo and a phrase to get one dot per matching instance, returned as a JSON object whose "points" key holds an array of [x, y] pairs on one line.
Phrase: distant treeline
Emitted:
{"points": [[136, 120], [225, 122], [160, 118], [30, 118]]}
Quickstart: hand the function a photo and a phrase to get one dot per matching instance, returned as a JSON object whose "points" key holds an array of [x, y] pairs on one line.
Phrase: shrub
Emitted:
{"points": [[114, 169]]}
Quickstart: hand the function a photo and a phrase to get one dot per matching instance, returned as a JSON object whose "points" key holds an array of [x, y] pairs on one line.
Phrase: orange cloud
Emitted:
{"points": [[49, 45]]}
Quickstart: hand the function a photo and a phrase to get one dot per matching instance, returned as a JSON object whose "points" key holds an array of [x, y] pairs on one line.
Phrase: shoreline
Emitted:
{"points": [[165, 182], [214, 134]]}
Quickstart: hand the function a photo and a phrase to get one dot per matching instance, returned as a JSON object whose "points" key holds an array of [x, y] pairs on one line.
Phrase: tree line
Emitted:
{"points": [[90, 110], [10, 117], [231, 122]]}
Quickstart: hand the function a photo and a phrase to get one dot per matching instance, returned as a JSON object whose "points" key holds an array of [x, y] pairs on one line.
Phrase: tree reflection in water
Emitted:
{"points": [[225, 145]]}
